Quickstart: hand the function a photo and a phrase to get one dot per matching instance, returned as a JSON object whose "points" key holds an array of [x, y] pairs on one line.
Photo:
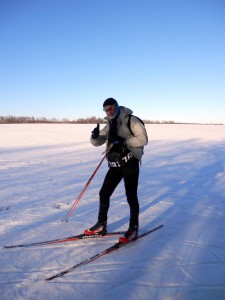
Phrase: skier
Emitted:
{"points": [[125, 138]]}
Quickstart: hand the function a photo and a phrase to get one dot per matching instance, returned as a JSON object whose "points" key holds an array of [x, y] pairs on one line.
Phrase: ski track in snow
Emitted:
{"points": [[44, 167]]}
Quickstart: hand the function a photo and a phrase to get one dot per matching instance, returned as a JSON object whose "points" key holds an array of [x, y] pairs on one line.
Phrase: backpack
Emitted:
{"points": [[128, 123]]}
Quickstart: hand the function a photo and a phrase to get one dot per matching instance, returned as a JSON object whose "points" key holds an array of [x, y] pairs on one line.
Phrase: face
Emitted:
{"points": [[110, 110]]}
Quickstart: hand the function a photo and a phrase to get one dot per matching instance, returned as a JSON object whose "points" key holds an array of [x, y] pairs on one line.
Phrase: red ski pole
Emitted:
{"points": [[83, 191]]}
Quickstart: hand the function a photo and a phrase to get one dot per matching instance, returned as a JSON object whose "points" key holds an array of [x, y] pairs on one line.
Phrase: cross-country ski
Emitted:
{"points": [[113, 248], [64, 240]]}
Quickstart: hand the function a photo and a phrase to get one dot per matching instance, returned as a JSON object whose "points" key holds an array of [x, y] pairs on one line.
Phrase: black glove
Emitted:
{"points": [[118, 145], [95, 132], [118, 141]]}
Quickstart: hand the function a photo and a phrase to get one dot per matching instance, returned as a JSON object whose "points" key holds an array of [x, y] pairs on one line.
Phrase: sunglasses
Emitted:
{"points": [[108, 108]]}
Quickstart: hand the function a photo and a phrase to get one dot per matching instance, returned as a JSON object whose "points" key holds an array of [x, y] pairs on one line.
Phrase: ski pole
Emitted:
{"points": [[83, 191]]}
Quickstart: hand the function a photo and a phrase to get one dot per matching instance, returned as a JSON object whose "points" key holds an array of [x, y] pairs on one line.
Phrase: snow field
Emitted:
{"points": [[44, 167]]}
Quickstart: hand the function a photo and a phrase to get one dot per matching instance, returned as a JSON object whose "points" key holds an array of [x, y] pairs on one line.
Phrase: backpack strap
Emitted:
{"points": [[128, 122]]}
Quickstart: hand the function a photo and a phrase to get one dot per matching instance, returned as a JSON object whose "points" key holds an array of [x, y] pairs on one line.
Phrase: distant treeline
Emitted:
{"points": [[89, 120], [15, 120]]}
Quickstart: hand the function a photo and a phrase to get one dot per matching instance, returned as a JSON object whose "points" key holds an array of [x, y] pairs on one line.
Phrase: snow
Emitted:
{"points": [[43, 169]]}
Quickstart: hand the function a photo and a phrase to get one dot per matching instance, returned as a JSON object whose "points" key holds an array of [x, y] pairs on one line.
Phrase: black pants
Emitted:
{"points": [[130, 173]]}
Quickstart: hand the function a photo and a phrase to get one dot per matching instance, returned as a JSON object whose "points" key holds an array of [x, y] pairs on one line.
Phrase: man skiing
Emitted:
{"points": [[125, 138]]}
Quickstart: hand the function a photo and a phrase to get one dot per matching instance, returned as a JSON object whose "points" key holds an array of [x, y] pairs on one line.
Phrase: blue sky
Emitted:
{"points": [[164, 59]]}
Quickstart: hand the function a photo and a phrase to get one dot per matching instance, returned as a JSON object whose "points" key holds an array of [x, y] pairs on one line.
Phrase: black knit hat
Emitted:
{"points": [[110, 101]]}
